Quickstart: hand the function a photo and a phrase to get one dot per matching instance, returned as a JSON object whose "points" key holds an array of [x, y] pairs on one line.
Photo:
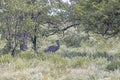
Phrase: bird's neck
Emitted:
{"points": [[58, 44]]}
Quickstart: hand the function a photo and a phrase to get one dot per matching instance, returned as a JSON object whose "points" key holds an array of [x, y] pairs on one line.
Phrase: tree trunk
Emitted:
{"points": [[9, 37], [35, 40], [23, 45], [35, 43], [13, 52]]}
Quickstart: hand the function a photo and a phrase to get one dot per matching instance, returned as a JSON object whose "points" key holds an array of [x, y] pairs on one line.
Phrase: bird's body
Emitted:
{"points": [[53, 48]]}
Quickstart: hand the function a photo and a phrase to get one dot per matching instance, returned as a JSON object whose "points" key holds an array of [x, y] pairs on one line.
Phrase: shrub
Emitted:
{"points": [[72, 41], [113, 65]]}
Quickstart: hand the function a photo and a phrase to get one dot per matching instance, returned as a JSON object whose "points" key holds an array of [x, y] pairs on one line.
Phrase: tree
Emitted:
{"points": [[19, 17], [99, 16], [23, 18]]}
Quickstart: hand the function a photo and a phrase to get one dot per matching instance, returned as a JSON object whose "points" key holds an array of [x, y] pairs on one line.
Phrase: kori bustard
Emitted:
{"points": [[53, 48]]}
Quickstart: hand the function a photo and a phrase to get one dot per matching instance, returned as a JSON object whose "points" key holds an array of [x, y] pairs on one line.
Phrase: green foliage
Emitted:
{"points": [[117, 55], [78, 62], [27, 56], [99, 16], [101, 54], [72, 41], [42, 57], [4, 51], [113, 65], [58, 60], [72, 54], [43, 18], [6, 58]]}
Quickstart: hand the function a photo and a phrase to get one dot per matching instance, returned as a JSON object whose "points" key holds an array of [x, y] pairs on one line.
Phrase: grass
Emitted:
{"points": [[99, 62], [29, 66], [113, 65]]}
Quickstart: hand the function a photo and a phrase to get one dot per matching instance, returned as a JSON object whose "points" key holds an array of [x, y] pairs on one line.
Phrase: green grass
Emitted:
{"points": [[94, 60], [113, 65], [6, 58], [29, 66]]}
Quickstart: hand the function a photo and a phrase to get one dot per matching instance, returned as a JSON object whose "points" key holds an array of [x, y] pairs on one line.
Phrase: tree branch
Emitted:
{"points": [[64, 29], [73, 25]]}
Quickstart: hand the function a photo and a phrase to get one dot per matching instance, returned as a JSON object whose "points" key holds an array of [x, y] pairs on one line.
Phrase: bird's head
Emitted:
{"points": [[57, 41]]}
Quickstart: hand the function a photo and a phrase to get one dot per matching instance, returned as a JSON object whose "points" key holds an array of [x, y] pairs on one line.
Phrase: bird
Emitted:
{"points": [[53, 48]]}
